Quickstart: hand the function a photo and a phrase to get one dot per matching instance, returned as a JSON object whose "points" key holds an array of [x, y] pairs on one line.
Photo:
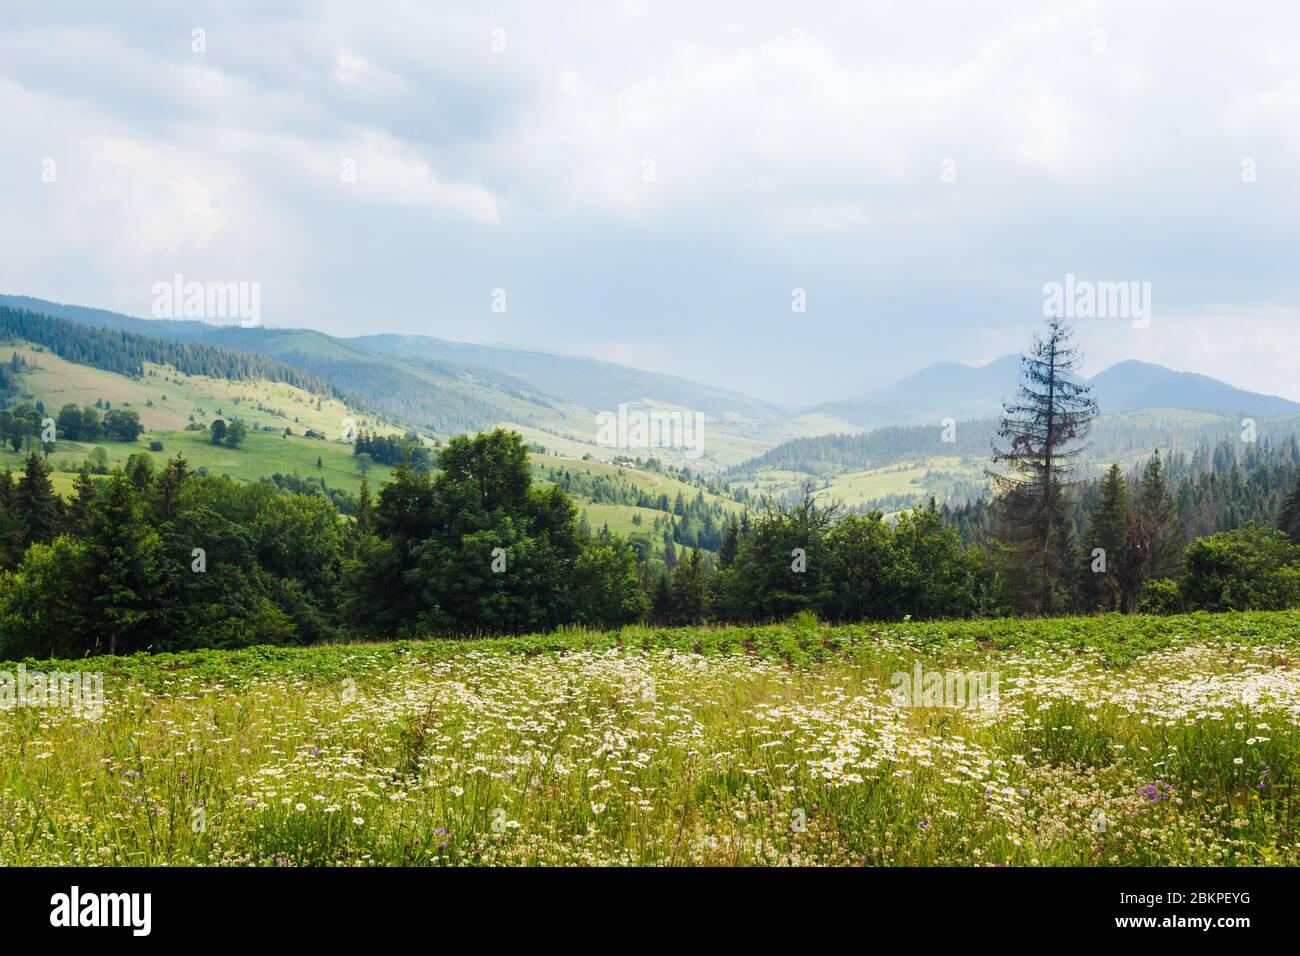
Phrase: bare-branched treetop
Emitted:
{"points": [[1042, 428]]}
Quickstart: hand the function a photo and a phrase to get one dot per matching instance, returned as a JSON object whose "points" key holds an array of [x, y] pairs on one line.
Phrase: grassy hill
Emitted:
{"points": [[168, 401], [259, 456], [886, 466], [621, 518], [895, 472], [553, 400], [314, 381]]}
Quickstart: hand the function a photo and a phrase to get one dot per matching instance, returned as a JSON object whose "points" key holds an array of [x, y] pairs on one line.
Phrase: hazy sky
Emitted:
{"points": [[650, 181]]}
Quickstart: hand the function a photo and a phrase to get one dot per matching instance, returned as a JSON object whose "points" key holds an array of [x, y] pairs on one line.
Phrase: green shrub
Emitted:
{"points": [[1250, 569], [1160, 596]]}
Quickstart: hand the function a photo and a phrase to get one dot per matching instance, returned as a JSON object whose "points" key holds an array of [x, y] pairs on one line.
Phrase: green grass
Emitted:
{"points": [[166, 399], [619, 517], [908, 479], [1114, 741], [917, 478], [176, 396], [261, 454]]}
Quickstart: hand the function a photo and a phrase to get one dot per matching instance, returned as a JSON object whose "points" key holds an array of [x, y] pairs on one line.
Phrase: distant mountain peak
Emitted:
{"points": [[957, 390]]}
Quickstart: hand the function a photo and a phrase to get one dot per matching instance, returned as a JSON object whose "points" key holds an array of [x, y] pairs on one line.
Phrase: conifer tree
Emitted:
{"points": [[1159, 514], [35, 504], [167, 488], [661, 604], [1154, 538], [364, 509], [11, 536], [1042, 427], [1104, 548], [1290, 519], [670, 550], [687, 590], [730, 542], [83, 498], [123, 557]]}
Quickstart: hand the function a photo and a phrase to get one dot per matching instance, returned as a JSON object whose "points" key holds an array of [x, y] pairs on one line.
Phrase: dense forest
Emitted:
{"points": [[826, 455], [391, 449], [1223, 487], [167, 559], [1110, 438], [126, 352], [164, 559], [462, 540]]}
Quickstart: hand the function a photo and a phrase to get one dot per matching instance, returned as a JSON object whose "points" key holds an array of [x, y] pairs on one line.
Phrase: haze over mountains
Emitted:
{"points": [[451, 386], [951, 389], [587, 382]]}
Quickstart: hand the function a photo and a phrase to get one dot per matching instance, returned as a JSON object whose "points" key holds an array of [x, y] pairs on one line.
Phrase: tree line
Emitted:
{"points": [[1044, 543], [392, 449], [166, 559], [1126, 546], [126, 352], [149, 559]]}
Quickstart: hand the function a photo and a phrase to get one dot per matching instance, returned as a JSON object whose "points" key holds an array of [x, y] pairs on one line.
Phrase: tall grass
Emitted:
{"points": [[1114, 742]]}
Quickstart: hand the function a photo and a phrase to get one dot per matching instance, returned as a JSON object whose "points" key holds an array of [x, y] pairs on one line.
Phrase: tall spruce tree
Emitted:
{"points": [[167, 489], [1290, 519], [124, 565], [1042, 429], [730, 543], [11, 533], [661, 603], [1108, 525], [364, 510], [670, 550], [687, 589], [1160, 525], [83, 498], [35, 504]]}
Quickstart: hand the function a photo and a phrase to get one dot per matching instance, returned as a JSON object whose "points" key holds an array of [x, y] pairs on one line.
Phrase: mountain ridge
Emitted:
{"points": [[533, 386], [956, 390]]}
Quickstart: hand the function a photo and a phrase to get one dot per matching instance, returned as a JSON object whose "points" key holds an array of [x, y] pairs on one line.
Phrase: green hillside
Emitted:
{"points": [[172, 405], [168, 401], [301, 380], [898, 467], [553, 400], [259, 456]]}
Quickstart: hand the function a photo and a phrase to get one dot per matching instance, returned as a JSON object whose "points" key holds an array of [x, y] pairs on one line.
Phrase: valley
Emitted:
{"points": [[864, 453]]}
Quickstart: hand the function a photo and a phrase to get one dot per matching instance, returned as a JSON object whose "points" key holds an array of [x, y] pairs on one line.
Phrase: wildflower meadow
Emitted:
{"points": [[1106, 741]]}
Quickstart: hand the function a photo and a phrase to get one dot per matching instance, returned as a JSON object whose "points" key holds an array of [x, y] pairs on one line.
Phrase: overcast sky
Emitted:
{"points": [[650, 181]]}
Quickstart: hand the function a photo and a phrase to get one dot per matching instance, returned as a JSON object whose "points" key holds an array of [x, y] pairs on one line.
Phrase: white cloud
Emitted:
{"points": [[1255, 347], [130, 206], [382, 169], [787, 148]]}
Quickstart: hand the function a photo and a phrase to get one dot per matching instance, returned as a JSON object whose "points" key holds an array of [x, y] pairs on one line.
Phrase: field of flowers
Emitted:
{"points": [[1111, 741]]}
